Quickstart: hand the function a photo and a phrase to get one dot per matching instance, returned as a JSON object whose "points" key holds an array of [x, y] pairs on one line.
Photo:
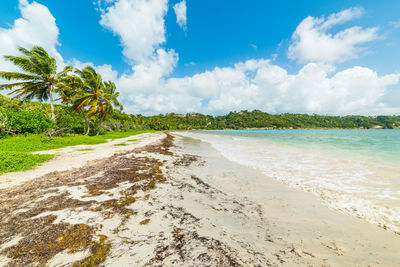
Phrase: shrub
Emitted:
{"points": [[16, 122]]}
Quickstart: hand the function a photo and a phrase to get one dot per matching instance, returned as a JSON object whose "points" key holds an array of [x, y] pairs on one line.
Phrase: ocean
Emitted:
{"points": [[353, 171]]}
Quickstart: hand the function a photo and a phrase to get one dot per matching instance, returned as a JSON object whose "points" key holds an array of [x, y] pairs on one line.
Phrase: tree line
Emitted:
{"points": [[89, 105], [258, 119]]}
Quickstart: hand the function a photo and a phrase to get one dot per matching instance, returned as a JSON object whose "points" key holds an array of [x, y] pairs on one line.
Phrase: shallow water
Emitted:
{"points": [[354, 171]]}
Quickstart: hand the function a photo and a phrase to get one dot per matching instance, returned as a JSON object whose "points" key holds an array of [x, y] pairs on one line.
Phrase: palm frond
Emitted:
{"points": [[18, 76]]}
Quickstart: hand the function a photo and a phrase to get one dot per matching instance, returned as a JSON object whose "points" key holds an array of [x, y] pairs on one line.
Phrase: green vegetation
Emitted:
{"points": [[37, 142], [99, 252], [39, 76], [83, 91], [89, 106], [122, 144], [258, 119], [15, 156], [20, 161]]}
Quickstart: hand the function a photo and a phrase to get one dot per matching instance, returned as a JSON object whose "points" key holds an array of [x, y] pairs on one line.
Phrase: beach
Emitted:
{"points": [[173, 200]]}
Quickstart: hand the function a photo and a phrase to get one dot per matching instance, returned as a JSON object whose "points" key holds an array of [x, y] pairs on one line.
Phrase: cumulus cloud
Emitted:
{"points": [[140, 26], [180, 12], [254, 84], [312, 42], [37, 26], [259, 84]]}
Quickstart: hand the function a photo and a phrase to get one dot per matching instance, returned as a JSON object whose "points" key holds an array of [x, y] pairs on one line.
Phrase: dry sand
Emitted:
{"points": [[183, 205]]}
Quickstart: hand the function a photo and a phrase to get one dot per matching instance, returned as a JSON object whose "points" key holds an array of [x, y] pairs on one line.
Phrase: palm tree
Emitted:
{"points": [[38, 78], [92, 91], [71, 89], [107, 102]]}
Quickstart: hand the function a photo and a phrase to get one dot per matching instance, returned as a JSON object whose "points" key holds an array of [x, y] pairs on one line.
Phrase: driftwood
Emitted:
{"points": [[53, 132]]}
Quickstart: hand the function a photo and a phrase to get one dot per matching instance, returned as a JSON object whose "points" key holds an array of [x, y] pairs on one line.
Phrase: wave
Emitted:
{"points": [[354, 185]]}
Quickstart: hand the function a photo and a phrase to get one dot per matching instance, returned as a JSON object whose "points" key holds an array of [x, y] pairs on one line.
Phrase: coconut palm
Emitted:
{"points": [[92, 90], [93, 94], [38, 78], [71, 90], [107, 102]]}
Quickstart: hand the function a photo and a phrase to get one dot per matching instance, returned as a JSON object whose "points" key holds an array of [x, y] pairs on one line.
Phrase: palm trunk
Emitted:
{"points": [[87, 123], [53, 117], [100, 122]]}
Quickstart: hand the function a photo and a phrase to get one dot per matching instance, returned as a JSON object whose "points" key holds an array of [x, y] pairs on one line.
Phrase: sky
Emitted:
{"points": [[318, 57]]}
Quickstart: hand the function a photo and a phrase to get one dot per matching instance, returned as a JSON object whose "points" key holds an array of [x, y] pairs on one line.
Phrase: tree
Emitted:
{"points": [[107, 102], [71, 89], [38, 78], [99, 97], [91, 86]]}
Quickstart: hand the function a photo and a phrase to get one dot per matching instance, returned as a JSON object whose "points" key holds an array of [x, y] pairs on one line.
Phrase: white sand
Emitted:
{"points": [[71, 157], [218, 213]]}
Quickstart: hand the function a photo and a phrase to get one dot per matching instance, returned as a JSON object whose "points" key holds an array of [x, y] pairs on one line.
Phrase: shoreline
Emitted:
{"points": [[299, 217], [176, 201]]}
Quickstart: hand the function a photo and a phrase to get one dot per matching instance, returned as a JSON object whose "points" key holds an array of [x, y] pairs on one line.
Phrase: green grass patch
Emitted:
{"points": [[15, 156], [20, 161], [84, 149], [132, 140], [122, 144], [38, 142]]}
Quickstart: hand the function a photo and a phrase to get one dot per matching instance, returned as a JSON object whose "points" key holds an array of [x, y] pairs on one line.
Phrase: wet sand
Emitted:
{"points": [[177, 202], [297, 220]]}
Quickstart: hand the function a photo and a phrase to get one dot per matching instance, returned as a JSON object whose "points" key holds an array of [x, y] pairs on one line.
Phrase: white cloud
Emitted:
{"points": [[191, 63], [312, 42], [254, 84], [36, 27], [106, 71], [140, 26], [395, 24], [259, 84], [180, 12]]}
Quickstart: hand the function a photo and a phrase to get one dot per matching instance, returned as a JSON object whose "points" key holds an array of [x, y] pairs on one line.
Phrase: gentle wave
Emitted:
{"points": [[359, 186]]}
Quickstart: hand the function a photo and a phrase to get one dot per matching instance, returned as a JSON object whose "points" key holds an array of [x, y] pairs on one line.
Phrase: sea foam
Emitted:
{"points": [[356, 185]]}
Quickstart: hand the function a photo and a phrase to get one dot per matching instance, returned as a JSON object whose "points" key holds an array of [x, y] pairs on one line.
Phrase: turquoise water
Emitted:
{"points": [[380, 143], [354, 171]]}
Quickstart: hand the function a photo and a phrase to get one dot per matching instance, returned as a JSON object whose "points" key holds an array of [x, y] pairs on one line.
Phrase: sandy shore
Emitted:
{"points": [[174, 202]]}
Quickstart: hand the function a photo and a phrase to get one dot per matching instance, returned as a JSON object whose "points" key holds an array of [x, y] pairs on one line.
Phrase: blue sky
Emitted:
{"points": [[195, 67]]}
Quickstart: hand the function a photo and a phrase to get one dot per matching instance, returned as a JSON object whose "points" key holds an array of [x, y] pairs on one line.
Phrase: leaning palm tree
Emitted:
{"points": [[38, 78], [107, 102], [71, 89], [91, 91]]}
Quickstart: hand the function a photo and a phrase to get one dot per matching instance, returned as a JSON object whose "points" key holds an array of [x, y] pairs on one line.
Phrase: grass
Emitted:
{"points": [[122, 144], [20, 161], [85, 149], [38, 142], [15, 156]]}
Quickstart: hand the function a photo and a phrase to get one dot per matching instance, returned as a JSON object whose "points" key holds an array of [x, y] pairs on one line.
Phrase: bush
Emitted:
{"points": [[16, 122], [71, 121]]}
